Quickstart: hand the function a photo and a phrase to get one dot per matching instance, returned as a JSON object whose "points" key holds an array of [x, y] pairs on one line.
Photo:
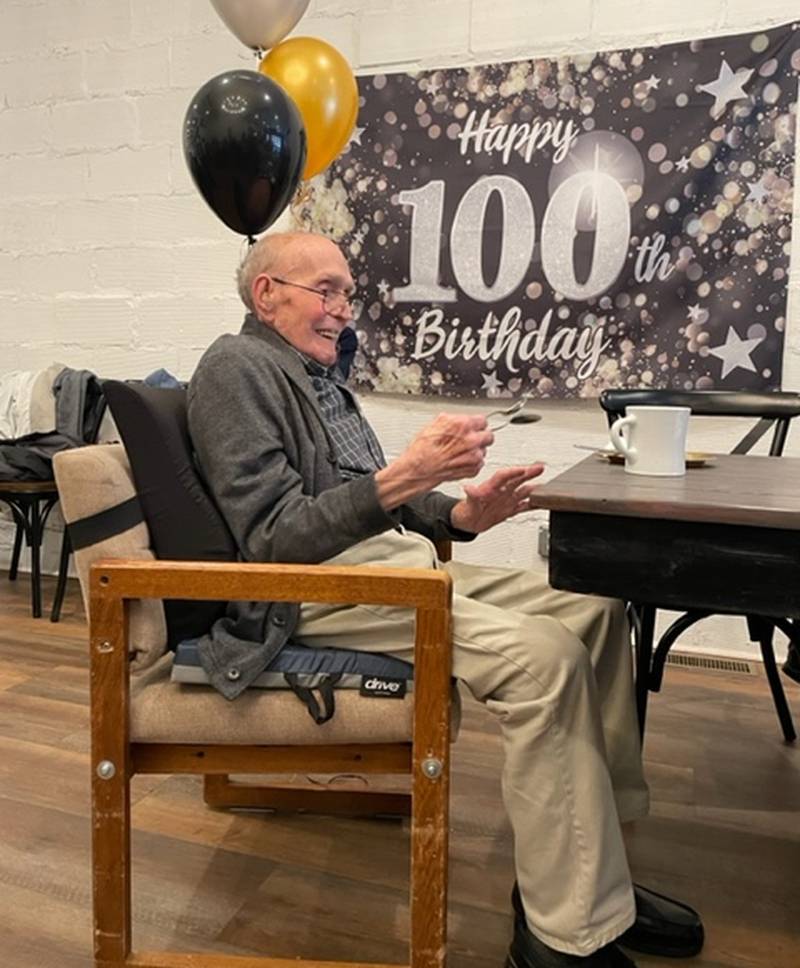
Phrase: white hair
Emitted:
{"points": [[266, 255]]}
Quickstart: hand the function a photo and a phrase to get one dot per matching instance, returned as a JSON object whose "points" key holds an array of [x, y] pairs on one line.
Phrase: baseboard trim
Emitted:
{"points": [[713, 663]]}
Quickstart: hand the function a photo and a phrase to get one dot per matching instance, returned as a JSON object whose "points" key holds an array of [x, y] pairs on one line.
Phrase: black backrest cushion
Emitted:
{"points": [[183, 521]]}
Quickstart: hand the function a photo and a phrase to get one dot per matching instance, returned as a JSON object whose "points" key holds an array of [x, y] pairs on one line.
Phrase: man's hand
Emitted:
{"points": [[505, 494], [449, 448]]}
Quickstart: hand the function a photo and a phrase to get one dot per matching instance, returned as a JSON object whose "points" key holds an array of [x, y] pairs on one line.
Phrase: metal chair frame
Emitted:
{"points": [[773, 411]]}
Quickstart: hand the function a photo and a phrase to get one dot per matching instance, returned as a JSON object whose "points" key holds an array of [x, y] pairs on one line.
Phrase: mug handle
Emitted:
{"points": [[618, 439]]}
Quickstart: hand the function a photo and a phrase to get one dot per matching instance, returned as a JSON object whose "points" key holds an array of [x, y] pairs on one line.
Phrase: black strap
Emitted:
{"points": [[306, 695], [105, 524]]}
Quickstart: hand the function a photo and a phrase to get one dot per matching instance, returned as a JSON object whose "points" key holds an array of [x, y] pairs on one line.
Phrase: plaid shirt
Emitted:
{"points": [[357, 447]]}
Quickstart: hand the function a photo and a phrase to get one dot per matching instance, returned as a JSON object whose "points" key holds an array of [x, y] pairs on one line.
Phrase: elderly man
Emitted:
{"points": [[299, 475]]}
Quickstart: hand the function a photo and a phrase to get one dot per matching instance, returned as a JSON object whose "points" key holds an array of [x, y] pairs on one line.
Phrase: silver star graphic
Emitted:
{"points": [[383, 288], [695, 312], [355, 137], [682, 164], [727, 87], [652, 82], [433, 86], [735, 352], [491, 383], [758, 193]]}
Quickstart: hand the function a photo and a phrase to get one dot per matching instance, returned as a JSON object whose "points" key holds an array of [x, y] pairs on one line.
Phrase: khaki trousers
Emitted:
{"points": [[555, 668]]}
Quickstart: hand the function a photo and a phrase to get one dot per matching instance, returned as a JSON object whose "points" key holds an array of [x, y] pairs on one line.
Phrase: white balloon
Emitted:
{"points": [[260, 24]]}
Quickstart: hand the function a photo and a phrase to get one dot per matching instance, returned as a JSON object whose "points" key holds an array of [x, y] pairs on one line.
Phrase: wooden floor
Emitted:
{"points": [[724, 832]]}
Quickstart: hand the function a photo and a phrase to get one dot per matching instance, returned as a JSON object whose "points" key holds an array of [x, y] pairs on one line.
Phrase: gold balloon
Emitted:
{"points": [[320, 82]]}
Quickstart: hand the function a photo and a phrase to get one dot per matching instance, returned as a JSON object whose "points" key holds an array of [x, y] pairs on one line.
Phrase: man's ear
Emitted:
{"points": [[261, 294]]}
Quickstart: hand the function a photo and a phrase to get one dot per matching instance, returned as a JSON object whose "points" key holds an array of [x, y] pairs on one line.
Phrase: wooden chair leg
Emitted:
{"points": [[111, 772], [762, 631], [429, 859], [61, 587], [431, 792], [214, 788], [19, 533], [36, 550], [111, 865]]}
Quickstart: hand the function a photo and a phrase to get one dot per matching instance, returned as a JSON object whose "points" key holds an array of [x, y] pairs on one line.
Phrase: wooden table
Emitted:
{"points": [[723, 538]]}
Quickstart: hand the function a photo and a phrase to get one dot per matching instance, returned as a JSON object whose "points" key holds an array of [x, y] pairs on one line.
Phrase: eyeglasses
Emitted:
{"points": [[334, 301]]}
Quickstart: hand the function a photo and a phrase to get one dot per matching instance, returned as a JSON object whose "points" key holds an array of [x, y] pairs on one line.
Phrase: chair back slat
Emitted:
{"points": [[707, 403]]}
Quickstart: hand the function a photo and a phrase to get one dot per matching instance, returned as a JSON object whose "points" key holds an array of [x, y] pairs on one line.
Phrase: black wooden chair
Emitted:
{"points": [[773, 411], [31, 503]]}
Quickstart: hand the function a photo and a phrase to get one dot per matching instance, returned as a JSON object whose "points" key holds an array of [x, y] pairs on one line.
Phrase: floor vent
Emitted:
{"points": [[712, 662]]}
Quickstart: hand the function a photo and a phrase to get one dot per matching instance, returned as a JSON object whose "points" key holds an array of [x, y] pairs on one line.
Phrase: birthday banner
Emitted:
{"points": [[560, 226]]}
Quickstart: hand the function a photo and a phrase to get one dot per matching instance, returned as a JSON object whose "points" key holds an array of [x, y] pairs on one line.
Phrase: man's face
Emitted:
{"points": [[301, 316]]}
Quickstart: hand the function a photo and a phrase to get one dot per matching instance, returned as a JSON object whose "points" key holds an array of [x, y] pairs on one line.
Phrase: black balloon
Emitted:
{"points": [[245, 145]]}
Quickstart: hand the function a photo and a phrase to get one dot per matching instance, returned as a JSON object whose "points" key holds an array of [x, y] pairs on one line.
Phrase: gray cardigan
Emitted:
{"points": [[269, 461]]}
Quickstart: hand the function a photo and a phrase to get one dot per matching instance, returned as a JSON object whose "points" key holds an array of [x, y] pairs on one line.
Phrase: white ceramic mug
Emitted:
{"points": [[652, 440]]}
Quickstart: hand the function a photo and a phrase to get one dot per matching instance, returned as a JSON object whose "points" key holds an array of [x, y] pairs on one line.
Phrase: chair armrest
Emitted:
{"points": [[420, 588], [114, 581]]}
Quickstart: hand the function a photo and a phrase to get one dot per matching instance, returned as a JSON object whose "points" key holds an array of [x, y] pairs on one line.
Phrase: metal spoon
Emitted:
{"points": [[512, 414]]}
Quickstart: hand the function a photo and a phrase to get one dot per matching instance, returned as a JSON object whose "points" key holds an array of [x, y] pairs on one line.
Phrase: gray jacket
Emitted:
{"points": [[269, 461], [71, 418]]}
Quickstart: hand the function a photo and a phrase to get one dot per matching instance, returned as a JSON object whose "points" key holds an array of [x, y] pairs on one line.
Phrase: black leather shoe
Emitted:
{"points": [[527, 951], [662, 927]]}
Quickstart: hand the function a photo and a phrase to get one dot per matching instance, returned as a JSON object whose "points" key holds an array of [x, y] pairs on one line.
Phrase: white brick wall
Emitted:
{"points": [[157, 113], [26, 129], [130, 172], [58, 75], [138, 69], [42, 176], [96, 123], [660, 21], [110, 260], [418, 30], [80, 23], [499, 27]]}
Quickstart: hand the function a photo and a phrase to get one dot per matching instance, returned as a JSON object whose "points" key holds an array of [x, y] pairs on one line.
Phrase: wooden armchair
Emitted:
{"points": [[123, 745], [142, 722]]}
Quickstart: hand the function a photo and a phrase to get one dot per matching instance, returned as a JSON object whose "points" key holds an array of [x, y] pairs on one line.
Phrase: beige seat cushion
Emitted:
{"points": [[94, 479], [166, 712]]}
